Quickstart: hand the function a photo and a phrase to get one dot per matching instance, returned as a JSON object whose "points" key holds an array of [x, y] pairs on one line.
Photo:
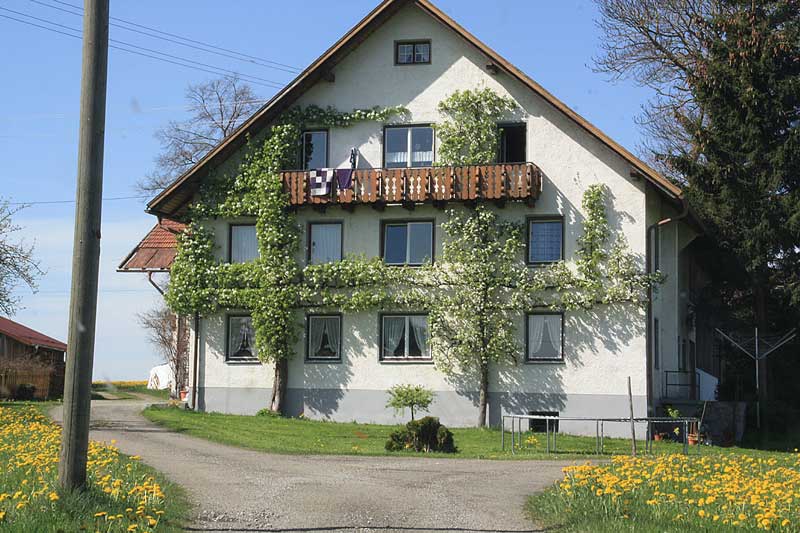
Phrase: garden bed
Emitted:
{"points": [[123, 495], [719, 492]]}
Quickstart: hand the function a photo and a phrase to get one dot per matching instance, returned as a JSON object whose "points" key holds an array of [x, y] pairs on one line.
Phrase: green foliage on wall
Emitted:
{"points": [[474, 293], [469, 134]]}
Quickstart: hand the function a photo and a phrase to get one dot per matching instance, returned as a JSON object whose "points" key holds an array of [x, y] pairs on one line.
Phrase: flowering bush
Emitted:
{"points": [[122, 495], [730, 491]]}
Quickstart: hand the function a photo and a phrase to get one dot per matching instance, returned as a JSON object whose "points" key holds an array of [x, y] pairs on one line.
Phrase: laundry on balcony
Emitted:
{"points": [[344, 178], [319, 181]]}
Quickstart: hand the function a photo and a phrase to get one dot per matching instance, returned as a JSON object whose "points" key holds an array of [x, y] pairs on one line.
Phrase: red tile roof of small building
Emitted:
{"points": [[29, 337], [156, 251]]}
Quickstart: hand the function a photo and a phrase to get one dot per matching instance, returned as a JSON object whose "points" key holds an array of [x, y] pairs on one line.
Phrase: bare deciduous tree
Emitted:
{"points": [[217, 107], [169, 334], [660, 44], [17, 264]]}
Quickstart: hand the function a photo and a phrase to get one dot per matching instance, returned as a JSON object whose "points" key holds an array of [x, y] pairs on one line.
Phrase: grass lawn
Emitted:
{"points": [[123, 494], [739, 490], [122, 390], [304, 436]]}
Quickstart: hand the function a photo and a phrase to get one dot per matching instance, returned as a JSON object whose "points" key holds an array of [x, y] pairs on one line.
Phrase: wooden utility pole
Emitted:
{"points": [[86, 247], [633, 425]]}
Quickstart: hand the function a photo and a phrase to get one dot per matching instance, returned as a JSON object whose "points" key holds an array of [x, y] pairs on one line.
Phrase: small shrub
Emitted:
{"points": [[424, 435], [268, 413], [414, 397]]}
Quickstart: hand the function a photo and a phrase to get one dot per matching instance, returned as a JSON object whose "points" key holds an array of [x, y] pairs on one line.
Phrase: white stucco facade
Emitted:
{"points": [[601, 348]]}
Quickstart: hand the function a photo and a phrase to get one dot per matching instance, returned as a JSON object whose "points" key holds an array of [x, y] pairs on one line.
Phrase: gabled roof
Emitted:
{"points": [[29, 337], [156, 252], [171, 199]]}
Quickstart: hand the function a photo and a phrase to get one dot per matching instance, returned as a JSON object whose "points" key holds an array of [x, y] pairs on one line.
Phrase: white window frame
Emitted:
{"points": [[528, 358], [413, 44], [228, 336], [409, 151], [529, 249], [407, 224], [310, 255], [310, 356], [303, 147], [406, 339], [231, 232]]}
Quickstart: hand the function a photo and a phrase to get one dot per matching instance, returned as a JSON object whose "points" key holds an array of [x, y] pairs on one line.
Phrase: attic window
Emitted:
{"points": [[412, 52]]}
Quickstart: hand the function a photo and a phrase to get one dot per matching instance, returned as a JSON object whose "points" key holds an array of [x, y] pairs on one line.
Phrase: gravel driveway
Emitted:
{"points": [[243, 490]]}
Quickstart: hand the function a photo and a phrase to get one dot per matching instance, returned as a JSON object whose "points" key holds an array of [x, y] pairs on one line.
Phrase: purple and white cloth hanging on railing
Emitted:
{"points": [[319, 181], [344, 176]]}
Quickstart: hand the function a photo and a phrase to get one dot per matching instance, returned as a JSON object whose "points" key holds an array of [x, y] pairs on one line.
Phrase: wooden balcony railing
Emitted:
{"points": [[438, 185]]}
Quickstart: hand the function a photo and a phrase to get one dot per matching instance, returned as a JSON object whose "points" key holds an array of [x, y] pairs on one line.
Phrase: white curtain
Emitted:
{"points": [[332, 330], [393, 331], [537, 326], [315, 331], [397, 157], [326, 243], [422, 156], [242, 337], [553, 325], [419, 328], [535, 334], [244, 244], [421, 146]]}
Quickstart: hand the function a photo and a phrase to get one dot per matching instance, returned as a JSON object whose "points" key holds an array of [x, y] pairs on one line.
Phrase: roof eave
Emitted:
{"points": [[285, 97]]}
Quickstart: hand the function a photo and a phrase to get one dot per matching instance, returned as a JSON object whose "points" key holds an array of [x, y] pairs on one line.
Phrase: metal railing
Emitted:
{"points": [[516, 433]]}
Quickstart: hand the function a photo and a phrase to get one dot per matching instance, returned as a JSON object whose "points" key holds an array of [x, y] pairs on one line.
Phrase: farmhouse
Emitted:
{"points": [[31, 363], [576, 363]]}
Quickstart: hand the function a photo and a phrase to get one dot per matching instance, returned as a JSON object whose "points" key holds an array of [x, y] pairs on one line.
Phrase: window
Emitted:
{"points": [[656, 347], [241, 339], [315, 149], [407, 243], [408, 147], [243, 243], [324, 338], [512, 143], [545, 332], [412, 52], [404, 337], [537, 425], [324, 242], [682, 354], [545, 240], [656, 249]]}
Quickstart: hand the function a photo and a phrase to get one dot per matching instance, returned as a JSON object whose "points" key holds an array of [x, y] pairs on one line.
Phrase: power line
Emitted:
{"points": [[49, 202], [78, 31], [187, 107], [219, 70], [212, 49], [188, 39], [66, 291]]}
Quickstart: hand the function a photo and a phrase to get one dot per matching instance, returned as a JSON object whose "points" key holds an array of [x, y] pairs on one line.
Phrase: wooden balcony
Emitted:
{"points": [[436, 185]]}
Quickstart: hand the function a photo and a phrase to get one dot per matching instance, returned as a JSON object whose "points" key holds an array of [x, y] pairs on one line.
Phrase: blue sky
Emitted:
{"points": [[551, 41]]}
